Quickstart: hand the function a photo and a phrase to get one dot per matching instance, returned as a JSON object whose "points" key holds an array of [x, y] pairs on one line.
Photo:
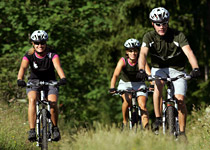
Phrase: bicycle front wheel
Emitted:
{"points": [[44, 130], [170, 118]]}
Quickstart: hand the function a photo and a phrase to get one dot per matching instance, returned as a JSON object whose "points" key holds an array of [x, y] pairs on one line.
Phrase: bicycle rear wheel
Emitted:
{"points": [[170, 119], [44, 130]]}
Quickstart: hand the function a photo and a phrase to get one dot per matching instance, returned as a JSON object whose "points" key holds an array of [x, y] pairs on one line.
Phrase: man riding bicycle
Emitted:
{"points": [[42, 61], [168, 50]]}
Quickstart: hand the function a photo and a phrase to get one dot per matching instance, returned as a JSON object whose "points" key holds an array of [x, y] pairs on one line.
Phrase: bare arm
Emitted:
{"points": [[143, 56], [147, 69], [190, 55], [116, 73], [57, 65], [24, 65]]}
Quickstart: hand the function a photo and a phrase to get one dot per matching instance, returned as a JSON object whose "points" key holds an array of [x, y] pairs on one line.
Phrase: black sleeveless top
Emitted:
{"points": [[41, 68], [128, 73]]}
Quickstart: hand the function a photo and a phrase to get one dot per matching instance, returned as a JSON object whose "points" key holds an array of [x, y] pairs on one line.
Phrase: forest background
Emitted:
{"points": [[88, 35]]}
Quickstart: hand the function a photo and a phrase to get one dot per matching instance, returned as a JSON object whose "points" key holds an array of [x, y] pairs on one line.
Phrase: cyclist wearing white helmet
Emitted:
{"points": [[39, 36], [159, 14], [128, 67], [42, 61], [169, 50]]}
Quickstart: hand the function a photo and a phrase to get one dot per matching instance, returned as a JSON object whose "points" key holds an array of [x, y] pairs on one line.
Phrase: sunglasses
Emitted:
{"points": [[161, 24], [42, 43], [135, 51]]}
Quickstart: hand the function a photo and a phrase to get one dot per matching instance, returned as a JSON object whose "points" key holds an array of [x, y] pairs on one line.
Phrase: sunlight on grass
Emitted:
{"points": [[14, 127], [111, 138]]}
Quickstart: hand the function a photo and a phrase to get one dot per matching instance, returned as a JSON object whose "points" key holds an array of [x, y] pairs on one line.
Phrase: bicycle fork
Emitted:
{"points": [[164, 117], [165, 106], [164, 109], [49, 122], [38, 123], [39, 117], [130, 117], [131, 112], [134, 113], [176, 119]]}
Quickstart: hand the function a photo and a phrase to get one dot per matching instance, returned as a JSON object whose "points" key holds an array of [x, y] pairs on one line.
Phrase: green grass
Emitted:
{"points": [[111, 138], [14, 127]]}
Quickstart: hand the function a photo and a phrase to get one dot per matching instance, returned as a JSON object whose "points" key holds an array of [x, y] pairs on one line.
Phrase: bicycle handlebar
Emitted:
{"points": [[42, 83], [120, 92], [168, 79]]}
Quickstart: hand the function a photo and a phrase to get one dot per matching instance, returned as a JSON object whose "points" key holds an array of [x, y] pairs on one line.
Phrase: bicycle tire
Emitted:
{"points": [[134, 120], [170, 119], [139, 118], [134, 117], [130, 118], [44, 130]]}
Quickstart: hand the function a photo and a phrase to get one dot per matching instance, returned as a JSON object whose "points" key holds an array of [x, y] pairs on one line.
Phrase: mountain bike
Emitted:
{"points": [[43, 116], [134, 111], [170, 121]]}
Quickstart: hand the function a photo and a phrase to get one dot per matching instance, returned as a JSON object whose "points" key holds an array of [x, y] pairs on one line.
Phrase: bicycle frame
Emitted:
{"points": [[170, 101], [134, 111], [43, 105]]}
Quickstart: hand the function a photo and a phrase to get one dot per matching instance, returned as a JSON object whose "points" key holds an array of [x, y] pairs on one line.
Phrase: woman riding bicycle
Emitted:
{"points": [[42, 61], [128, 67]]}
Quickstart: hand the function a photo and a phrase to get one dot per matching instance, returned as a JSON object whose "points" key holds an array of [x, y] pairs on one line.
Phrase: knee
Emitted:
{"points": [[126, 100], [142, 102], [159, 84], [142, 106], [181, 106], [180, 101], [32, 101], [53, 104]]}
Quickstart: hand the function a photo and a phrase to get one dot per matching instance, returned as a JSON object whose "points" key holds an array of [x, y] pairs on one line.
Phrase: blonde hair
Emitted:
{"points": [[32, 50]]}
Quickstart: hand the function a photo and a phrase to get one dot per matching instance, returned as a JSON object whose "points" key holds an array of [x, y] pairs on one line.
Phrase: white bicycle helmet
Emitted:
{"points": [[159, 14], [39, 35], [132, 43]]}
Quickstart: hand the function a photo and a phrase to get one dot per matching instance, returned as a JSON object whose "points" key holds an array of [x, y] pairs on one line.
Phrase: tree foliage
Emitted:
{"points": [[89, 35]]}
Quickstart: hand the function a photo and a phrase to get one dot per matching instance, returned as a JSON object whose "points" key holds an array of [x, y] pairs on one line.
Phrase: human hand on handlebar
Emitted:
{"points": [[62, 81], [21, 83], [141, 75], [112, 90], [195, 73]]}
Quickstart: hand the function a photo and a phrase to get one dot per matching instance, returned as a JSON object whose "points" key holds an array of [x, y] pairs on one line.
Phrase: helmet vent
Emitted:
{"points": [[39, 35], [159, 14]]}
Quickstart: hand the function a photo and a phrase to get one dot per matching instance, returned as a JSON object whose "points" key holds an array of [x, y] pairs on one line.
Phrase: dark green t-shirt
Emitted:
{"points": [[165, 51], [128, 73]]}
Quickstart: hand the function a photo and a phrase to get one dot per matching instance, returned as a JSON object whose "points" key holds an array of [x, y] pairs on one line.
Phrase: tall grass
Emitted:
{"points": [[14, 127], [111, 138]]}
